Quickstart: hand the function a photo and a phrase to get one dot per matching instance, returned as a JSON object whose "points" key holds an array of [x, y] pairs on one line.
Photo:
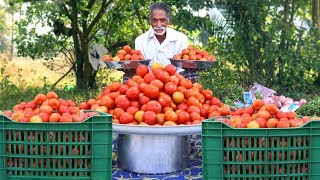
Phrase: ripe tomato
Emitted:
{"points": [[154, 106], [170, 115], [183, 117], [150, 117], [142, 70], [151, 91], [126, 118]]}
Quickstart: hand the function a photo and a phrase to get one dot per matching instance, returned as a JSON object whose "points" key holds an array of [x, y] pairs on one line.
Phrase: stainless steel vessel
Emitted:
{"points": [[192, 64], [127, 64], [153, 154]]}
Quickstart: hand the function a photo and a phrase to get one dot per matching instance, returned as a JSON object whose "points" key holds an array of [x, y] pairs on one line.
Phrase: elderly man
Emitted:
{"points": [[161, 42]]}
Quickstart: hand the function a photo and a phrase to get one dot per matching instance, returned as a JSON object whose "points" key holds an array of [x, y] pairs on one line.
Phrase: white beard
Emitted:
{"points": [[159, 33]]}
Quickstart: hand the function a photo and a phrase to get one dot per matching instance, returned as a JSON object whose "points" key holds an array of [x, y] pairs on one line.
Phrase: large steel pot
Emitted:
{"points": [[154, 149], [153, 154]]}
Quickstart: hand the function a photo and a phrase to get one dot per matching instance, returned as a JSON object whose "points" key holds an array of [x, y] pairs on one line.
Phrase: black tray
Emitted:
{"points": [[127, 64], [192, 64]]}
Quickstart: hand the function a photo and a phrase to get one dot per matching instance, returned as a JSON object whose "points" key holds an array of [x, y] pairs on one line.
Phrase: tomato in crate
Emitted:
{"points": [[56, 150], [262, 153]]}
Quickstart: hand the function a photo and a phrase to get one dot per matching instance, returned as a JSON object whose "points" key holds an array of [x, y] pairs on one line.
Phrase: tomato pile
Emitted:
{"points": [[126, 53], [192, 53], [48, 108], [157, 97], [261, 115]]}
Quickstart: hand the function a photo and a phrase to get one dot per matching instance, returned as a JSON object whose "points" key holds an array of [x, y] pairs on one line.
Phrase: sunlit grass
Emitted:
{"points": [[26, 73], [21, 79]]}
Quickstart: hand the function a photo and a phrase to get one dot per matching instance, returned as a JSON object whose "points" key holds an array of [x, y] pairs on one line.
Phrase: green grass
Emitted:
{"points": [[312, 108]]}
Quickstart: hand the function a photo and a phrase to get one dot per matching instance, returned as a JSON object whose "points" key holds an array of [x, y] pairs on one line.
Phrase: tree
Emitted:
{"points": [[269, 44], [316, 22], [316, 14], [78, 24], [2, 29], [74, 23]]}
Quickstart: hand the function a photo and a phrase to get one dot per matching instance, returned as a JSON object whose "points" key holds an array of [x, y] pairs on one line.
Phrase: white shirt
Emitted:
{"points": [[150, 47]]}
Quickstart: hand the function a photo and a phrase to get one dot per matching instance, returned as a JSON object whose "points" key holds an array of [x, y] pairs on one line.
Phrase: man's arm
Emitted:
{"points": [[184, 43], [138, 45]]}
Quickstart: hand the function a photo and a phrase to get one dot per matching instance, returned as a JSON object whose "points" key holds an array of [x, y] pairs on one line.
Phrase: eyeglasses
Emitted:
{"points": [[162, 20]]}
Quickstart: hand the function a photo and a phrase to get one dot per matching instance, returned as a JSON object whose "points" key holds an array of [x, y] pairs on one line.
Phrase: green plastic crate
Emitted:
{"points": [[56, 150], [233, 153]]}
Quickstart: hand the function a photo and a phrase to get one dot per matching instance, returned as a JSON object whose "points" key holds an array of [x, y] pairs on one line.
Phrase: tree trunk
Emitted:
{"points": [[89, 73], [316, 14], [80, 81], [283, 46], [12, 34], [84, 72], [316, 24]]}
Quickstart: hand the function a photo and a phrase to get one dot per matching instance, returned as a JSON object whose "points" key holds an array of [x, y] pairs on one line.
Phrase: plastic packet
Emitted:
{"points": [[248, 98], [239, 104], [262, 90], [290, 107]]}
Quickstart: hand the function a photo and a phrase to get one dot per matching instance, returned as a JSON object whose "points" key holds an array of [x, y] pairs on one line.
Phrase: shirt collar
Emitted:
{"points": [[170, 35]]}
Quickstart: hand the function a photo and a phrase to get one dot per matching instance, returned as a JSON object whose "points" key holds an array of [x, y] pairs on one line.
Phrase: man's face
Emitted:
{"points": [[159, 21]]}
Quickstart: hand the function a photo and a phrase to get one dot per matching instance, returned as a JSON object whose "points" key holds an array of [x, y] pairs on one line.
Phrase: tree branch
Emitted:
{"points": [[110, 23], [92, 35], [96, 19], [72, 67], [95, 31], [74, 20], [293, 11], [77, 45], [90, 4], [86, 13], [64, 8]]}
